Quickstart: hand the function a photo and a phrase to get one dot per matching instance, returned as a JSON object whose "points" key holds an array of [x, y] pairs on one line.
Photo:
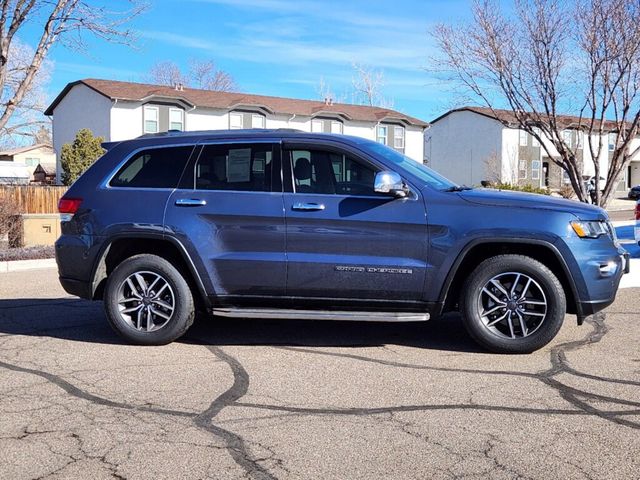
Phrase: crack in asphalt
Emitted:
{"points": [[235, 443], [237, 447]]}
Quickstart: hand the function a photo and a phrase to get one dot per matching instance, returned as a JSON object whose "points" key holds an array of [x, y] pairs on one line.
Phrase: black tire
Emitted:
{"points": [[499, 337], [176, 294]]}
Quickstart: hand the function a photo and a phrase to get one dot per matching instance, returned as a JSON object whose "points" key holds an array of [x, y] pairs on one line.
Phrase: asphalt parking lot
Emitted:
{"points": [[291, 400]]}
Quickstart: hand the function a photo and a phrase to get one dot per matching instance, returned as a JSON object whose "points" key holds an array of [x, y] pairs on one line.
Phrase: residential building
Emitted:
{"points": [[125, 110], [31, 156], [472, 144], [12, 173]]}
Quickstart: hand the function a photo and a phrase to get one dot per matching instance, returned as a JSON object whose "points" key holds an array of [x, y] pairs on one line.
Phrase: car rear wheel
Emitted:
{"points": [[513, 304], [148, 301]]}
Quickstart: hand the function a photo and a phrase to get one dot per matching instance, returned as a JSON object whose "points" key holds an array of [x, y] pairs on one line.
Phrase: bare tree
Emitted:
{"points": [[367, 87], [326, 93], [551, 55], [202, 74], [53, 21], [167, 73]]}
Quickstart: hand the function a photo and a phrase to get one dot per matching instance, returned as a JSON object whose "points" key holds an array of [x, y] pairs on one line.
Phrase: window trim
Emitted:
{"points": [[182, 118], [520, 169], [263, 118], [144, 118], [236, 115], [536, 170], [386, 134], [337, 122], [523, 135], [403, 137]]}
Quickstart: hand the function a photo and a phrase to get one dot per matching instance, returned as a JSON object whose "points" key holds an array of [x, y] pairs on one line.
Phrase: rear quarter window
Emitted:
{"points": [[153, 168]]}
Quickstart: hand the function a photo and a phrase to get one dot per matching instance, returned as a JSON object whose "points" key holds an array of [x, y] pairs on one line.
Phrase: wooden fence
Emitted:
{"points": [[33, 199]]}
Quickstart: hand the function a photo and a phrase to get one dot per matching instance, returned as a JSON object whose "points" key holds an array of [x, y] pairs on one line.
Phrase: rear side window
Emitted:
{"points": [[245, 167], [153, 168]]}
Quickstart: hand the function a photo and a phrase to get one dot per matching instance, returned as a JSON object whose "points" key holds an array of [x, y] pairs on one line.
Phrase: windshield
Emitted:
{"points": [[417, 169]]}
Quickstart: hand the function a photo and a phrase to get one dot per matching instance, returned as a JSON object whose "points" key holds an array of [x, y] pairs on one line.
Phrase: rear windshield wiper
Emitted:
{"points": [[458, 188]]}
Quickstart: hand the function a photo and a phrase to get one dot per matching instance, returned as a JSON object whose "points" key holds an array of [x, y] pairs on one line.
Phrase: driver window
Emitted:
{"points": [[317, 171]]}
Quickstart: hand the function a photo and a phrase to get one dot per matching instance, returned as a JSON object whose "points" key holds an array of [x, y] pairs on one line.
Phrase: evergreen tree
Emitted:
{"points": [[76, 157]]}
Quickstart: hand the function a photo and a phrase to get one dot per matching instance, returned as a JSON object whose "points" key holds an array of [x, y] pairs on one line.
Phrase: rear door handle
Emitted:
{"points": [[308, 207], [190, 202]]}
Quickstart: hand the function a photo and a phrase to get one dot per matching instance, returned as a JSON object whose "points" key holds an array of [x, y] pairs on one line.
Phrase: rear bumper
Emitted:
{"points": [[76, 287]]}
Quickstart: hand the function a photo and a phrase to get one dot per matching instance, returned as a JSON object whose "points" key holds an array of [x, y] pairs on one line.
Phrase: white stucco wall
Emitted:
{"points": [[80, 108], [458, 146], [126, 121]]}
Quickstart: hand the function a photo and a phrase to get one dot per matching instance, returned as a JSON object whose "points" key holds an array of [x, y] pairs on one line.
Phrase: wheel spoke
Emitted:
{"points": [[149, 320], [139, 319], [526, 287], [513, 335], [523, 325], [153, 284], [163, 304], [160, 313], [162, 289], [536, 314], [489, 312], [499, 286], [131, 309], [493, 297], [497, 320], [141, 283], [515, 285], [533, 302], [134, 290], [128, 300]]}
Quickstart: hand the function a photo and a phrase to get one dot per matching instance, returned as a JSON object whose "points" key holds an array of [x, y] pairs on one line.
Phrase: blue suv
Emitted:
{"points": [[287, 224]]}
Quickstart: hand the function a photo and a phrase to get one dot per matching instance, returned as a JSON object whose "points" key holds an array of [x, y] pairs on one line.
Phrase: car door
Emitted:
{"points": [[344, 240], [229, 212]]}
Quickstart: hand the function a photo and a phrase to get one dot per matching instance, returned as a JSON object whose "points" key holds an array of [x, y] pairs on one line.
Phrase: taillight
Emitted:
{"points": [[69, 205], [638, 211]]}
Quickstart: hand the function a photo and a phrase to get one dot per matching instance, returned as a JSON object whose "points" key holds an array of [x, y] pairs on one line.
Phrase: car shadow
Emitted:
{"points": [[84, 321]]}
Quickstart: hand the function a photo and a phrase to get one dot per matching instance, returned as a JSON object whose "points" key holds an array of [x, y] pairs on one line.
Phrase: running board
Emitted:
{"points": [[292, 314]]}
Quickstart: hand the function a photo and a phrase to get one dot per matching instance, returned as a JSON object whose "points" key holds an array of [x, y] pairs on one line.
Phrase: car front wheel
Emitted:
{"points": [[148, 301], [513, 304]]}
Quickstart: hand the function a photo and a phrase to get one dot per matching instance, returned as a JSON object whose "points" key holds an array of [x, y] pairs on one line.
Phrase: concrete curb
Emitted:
{"points": [[20, 265]]}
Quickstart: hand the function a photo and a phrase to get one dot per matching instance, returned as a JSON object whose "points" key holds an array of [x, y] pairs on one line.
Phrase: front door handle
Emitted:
{"points": [[190, 202], [308, 207]]}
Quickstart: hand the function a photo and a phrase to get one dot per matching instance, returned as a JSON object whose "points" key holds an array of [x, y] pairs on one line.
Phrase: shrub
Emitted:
{"points": [[10, 222], [522, 188], [76, 157]]}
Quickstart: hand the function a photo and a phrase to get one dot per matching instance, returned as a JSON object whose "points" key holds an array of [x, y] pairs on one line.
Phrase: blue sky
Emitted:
{"points": [[283, 47]]}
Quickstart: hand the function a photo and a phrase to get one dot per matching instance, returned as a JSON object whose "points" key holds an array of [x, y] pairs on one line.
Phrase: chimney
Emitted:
{"points": [[179, 87]]}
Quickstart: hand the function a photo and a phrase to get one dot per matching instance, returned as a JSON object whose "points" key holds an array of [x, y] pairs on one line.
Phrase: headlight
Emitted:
{"points": [[589, 229]]}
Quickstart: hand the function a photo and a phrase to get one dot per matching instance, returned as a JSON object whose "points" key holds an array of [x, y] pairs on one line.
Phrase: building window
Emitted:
{"points": [[235, 121], [381, 136], [257, 121], [522, 170], [612, 142], [151, 119], [398, 138], [176, 119], [523, 138], [31, 162], [579, 139], [336, 127], [566, 137], [317, 126], [534, 140], [535, 170]]}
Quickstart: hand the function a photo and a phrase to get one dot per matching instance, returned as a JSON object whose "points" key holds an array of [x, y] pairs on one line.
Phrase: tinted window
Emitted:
{"points": [[153, 168], [235, 167], [316, 171]]}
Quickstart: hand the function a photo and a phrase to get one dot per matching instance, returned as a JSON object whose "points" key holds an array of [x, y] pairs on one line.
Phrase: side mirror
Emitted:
{"points": [[391, 183]]}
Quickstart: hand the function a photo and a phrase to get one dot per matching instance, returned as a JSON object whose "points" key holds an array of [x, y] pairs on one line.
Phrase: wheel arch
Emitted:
{"points": [[123, 246], [479, 250]]}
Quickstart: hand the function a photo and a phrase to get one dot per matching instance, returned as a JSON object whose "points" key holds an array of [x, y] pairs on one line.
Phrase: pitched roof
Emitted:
{"points": [[129, 91], [46, 168], [18, 150], [507, 116]]}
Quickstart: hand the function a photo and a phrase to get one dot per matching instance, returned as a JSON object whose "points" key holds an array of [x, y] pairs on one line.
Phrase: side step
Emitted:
{"points": [[292, 314]]}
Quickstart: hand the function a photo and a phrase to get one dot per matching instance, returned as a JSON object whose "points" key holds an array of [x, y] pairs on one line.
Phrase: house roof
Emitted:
{"points": [[16, 151], [46, 168], [138, 92], [507, 116], [12, 170]]}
